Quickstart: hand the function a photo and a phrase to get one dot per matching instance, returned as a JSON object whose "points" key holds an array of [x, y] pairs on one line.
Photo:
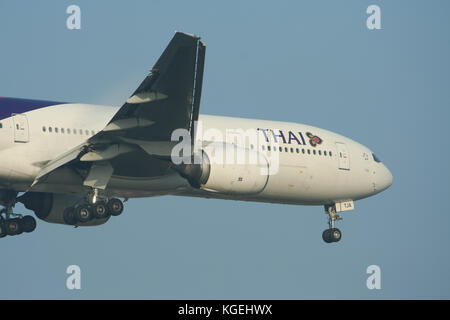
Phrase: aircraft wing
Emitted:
{"points": [[167, 99]]}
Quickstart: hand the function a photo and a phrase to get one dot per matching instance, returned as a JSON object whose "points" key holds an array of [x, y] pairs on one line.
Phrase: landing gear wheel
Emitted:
{"points": [[28, 224], [2, 230], [336, 234], [69, 216], [100, 210], [115, 206], [13, 227], [83, 213], [332, 235], [12, 223], [326, 236]]}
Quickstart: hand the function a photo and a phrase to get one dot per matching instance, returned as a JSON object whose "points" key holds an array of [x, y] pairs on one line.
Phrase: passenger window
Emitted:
{"points": [[281, 149], [285, 149], [1, 125], [87, 132], [314, 152], [320, 152], [56, 130], [292, 150], [309, 151], [68, 131], [44, 129], [74, 131], [50, 129], [330, 154], [268, 148], [303, 151], [62, 130], [263, 147], [80, 131], [297, 150], [324, 153]]}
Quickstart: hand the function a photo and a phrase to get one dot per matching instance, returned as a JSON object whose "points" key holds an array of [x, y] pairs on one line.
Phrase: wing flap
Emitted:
{"points": [[60, 161]]}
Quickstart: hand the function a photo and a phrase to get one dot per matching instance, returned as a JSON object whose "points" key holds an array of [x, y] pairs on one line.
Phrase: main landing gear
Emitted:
{"points": [[12, 224], [332, 234], [93, 207]]}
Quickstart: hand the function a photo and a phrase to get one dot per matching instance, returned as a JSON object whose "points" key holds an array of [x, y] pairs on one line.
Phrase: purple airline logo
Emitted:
{"points": [[313, 140]]}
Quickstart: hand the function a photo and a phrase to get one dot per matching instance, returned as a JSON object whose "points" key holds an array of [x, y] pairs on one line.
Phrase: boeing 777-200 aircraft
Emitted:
{"points": [[70, 163]]}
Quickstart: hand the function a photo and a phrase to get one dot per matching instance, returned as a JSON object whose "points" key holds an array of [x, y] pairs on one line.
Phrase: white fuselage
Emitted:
{"points": [[342, 170]]}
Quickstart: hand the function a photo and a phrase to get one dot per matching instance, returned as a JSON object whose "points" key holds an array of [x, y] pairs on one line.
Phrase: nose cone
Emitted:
{"points": [[384, 179]]}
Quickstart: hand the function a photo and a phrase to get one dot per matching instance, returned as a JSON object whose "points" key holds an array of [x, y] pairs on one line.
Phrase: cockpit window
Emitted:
{"points": [[376, 158]]}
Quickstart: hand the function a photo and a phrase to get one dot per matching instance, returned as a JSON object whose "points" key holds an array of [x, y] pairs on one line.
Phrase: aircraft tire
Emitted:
{"points": [[326, 236], [28, 224], [336, 235], [83, 213], [115, 206], [100, 210], [2, 230], [332, 235], [13, 227], [69, 216]]}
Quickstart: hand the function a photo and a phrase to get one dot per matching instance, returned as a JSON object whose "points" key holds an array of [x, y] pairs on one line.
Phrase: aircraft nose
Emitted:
{"points": [[384, 179]]}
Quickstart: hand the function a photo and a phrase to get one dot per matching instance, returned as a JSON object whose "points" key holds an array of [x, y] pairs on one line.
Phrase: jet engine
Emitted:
{"points": [[51, 207], [227, 168]]}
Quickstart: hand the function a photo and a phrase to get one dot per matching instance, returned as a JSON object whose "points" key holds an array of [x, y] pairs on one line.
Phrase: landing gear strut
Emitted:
{"points": [[332, 234]]}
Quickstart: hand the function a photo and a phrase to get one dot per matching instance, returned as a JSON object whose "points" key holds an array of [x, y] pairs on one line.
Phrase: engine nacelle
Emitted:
{"points": [[229, 169], [50, 207]]}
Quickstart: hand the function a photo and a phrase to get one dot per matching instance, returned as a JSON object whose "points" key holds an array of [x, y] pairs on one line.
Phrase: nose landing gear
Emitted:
{"points": [[332, 234]]}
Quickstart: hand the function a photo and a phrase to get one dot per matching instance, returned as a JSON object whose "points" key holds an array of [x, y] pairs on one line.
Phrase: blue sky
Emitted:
{"points": [[312, 62]]}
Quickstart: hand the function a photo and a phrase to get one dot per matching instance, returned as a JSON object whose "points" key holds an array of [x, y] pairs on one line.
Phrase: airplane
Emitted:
{"points": [[72, 163]]}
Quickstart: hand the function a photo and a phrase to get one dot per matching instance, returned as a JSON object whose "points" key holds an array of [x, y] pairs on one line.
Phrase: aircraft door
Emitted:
{"points": [[21, 132], [343, 156]]}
